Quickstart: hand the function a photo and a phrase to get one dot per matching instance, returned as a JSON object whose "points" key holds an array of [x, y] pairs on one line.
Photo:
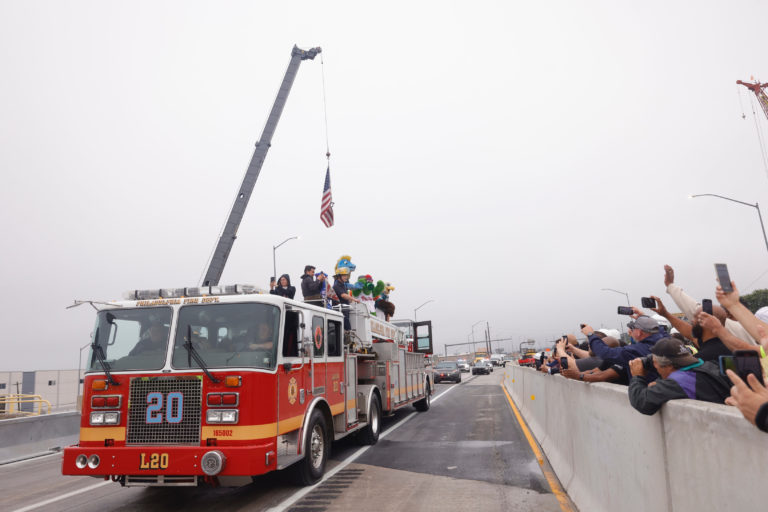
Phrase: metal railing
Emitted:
{"points": [[11, 405]]}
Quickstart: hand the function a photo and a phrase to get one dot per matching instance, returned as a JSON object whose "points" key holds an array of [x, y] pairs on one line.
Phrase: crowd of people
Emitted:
{"points": [[677, 355], [318, 291]]}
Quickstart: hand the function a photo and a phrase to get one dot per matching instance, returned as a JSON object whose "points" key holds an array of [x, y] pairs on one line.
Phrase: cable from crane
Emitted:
{"points": [[325, 111], [741, 105], [749, 286], [760, 137]]}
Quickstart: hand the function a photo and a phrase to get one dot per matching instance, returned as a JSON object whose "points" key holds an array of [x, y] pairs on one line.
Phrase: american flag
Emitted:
{"points": [[326, 207]]}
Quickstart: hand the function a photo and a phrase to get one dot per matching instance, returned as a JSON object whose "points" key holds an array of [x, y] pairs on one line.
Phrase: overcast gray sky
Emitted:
{"points": [[505, 159]]}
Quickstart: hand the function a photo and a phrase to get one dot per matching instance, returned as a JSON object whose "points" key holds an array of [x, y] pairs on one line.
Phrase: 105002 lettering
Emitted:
{"points": [[173, 403]]}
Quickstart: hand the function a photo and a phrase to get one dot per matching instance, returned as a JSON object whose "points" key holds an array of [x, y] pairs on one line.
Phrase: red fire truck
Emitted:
{"points": [[218, 384]]}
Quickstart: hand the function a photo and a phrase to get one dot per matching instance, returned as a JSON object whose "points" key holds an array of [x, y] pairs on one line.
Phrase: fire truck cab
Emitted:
{"points": [[218, 384]]}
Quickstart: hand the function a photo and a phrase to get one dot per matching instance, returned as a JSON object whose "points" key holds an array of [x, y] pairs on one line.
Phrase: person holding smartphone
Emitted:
{"points": [[283, 287], [681, 376], [730, 301], [688, 305], [710, 346], [644, 330]]}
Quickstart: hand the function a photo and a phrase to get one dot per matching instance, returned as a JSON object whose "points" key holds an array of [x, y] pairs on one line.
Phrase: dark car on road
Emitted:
{"points": [[481, 367], [447, 370]]}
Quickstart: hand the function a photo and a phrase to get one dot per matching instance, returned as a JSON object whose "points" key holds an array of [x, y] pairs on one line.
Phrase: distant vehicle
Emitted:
{"points": [[482, 367], [464, 366], [497, 360], [447, 370], [528, 358]]}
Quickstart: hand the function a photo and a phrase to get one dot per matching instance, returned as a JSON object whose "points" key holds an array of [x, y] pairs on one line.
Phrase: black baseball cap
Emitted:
{"points": [[674, 349]]}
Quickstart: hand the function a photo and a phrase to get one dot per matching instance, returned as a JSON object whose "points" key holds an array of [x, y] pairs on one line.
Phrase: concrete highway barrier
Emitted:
{"points": [[690, 456], [32, 435]]}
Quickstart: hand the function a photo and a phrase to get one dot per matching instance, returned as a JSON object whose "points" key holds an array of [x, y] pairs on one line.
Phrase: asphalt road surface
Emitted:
{"points": [[467, 452]]}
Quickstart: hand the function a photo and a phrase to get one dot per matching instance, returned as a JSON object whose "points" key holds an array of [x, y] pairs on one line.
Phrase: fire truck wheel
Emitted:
{"points": [[370, 434], [423, 404], [311, 468]]}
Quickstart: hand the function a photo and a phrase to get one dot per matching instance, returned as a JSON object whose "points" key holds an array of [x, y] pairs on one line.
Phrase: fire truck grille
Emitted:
{"points": [[164, 411]]}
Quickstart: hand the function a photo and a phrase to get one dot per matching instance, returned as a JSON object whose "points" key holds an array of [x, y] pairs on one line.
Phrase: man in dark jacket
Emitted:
{"points": [[682, 376], [312, 288], [283, 287], [644, 330]]}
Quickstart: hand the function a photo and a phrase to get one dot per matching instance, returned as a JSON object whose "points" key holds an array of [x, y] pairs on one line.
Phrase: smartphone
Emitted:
{"points": [[563, 363], [626, 310], [706, 306], [272, 279], [743, 362], [648, 302], [721, 269]]}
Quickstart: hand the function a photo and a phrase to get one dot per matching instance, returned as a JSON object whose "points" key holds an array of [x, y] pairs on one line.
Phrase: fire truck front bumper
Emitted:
{"points": [[172, 461]]}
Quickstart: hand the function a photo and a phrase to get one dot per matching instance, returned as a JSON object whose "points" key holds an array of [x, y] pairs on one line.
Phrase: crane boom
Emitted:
{"points": [[757, 88], [229, 234]]}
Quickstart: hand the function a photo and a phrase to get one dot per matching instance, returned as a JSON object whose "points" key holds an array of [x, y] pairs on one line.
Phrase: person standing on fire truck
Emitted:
{"points": [[345, 298]]}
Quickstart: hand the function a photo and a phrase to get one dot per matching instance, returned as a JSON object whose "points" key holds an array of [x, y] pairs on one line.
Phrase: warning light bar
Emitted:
{"points": [[194, 291]]}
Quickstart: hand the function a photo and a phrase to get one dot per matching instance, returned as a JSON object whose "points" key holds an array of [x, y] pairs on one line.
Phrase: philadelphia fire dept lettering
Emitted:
{"points": [[173, 410], [154, 461]]}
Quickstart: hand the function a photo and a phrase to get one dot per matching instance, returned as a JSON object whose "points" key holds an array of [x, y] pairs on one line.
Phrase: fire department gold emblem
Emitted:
{"points": [[293, 390]]}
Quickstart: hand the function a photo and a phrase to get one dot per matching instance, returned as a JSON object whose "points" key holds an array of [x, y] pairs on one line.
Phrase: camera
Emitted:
{"points": [[648, 362], [563, 363], [648, 302], [626, 310]]}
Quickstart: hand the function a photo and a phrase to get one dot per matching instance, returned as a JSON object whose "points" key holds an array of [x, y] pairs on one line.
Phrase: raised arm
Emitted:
{"points": [[685, 302], [739, 311], [678, 323], [711, 323]]}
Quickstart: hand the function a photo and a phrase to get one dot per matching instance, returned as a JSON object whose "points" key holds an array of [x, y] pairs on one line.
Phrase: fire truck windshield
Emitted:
{"points": [[228, 335], [132, 339]]}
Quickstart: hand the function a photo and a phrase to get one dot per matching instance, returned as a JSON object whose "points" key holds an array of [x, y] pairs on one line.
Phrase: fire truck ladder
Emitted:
{"points": [[229, 234]]}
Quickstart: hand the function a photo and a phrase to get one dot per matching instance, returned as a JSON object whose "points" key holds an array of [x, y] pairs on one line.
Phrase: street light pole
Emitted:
{"points": [[474, 346], [756, 206], [617, 291], [418, 308], [274, 248]]}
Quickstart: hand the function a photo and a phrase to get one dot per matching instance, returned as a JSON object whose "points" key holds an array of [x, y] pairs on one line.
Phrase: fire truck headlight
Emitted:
{"points": [[229, 416], [97, 418], [111, 418], [81, 461], [221, 416], [93, 461]]}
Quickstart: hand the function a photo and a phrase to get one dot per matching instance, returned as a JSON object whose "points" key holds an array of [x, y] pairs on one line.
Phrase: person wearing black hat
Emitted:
{"points": [[682, 376]]}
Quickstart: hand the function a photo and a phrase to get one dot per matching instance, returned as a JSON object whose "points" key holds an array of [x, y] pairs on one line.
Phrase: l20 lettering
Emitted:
{"points": [[154, 461]]}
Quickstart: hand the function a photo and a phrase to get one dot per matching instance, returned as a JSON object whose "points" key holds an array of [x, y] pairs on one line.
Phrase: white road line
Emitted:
{"points": [[31, 459], [349, 460], [279, 508], [61, 497]]}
